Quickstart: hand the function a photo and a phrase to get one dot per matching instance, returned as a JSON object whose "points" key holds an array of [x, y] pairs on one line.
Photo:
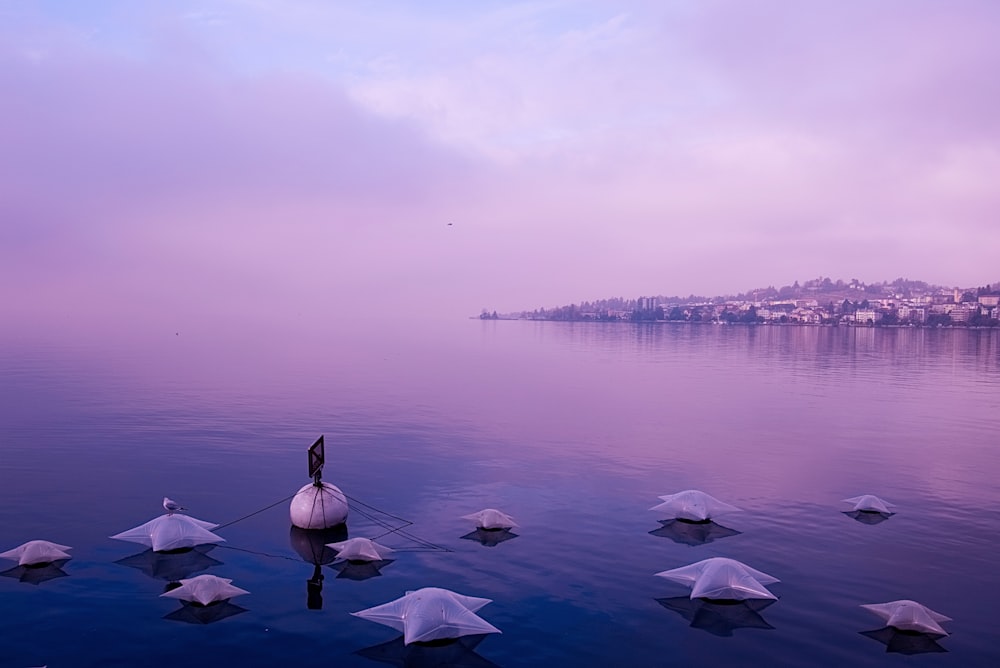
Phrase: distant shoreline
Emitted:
{"points": [[820, 301], [832, 325]]}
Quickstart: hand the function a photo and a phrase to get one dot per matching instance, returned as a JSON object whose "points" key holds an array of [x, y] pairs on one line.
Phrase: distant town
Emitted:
{"points": [[820, 301]]}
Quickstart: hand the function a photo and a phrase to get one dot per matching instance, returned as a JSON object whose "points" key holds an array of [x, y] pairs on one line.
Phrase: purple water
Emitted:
{"points": [[572, 428]]}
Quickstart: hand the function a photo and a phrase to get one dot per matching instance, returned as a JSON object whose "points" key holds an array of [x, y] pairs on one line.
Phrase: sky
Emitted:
{"points": [[263, 158]]}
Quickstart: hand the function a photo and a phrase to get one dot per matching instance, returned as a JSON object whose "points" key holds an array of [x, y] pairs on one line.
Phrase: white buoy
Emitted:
{"points": [[318, 506]]}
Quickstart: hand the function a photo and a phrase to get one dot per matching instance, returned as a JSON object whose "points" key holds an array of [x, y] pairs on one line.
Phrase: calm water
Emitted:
{"points": [[574, 429]]}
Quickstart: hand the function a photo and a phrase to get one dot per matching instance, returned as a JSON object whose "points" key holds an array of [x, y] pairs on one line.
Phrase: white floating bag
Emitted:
{"points": [[318, 506], [205, 589], [722, 578], [693, 505], [870, 503], [37, 552], [491, 518], [171, 532], [431, 614], [907, 615], [360, 549]]}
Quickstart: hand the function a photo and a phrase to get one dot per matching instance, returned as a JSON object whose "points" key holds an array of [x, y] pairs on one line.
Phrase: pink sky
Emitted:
{"points": [[235, 157]]}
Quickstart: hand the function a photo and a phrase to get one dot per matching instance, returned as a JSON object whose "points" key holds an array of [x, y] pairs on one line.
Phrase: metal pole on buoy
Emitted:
{"points": [[318, 505]]}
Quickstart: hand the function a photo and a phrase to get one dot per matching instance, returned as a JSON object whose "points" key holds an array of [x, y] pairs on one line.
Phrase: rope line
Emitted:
{"points": [[259, 554], [400, 530], [359, 501], [373, 514], [256, 512]]}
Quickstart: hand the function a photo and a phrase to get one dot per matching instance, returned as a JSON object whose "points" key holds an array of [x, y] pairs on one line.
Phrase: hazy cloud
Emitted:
{"points": [[237, 156]]}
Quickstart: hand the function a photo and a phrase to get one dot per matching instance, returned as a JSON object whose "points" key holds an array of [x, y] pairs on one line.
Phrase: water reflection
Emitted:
{"points": [[490, 537], [311, 545], [720, 618], [193, 613], [172, 566], [360, 570], [833, 348], [37, 574], [868, 516], [693, 533], [458, 652], [906, 642]]}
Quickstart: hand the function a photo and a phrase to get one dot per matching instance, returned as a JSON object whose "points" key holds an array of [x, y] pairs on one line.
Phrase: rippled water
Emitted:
{"points": [[574, 429]]}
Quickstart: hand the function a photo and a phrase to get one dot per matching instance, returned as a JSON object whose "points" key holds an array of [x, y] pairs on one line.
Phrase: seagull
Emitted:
{"points": [[171, 506]]}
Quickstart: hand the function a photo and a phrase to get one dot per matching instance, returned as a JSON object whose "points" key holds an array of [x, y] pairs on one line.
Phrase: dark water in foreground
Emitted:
{"points": [[574, 429]]}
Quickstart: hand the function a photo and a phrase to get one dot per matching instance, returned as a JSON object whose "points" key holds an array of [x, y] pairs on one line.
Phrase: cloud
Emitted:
{"points": [[139, 185], [233, 157]]}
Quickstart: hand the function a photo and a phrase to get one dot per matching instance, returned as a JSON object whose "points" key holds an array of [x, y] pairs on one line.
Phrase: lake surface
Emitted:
{"points": [[575, 429]]}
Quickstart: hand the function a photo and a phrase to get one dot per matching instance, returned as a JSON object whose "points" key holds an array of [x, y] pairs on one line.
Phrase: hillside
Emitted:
{"points": [[822, 290]]}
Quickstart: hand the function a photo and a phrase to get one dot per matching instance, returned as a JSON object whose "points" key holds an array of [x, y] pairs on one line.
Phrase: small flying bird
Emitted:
{"points": [[171, 506]]}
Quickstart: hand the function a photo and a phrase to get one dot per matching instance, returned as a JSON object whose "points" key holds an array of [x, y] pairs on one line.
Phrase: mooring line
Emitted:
{"points": [[371, 516], [382, 523], [255, 552], [400, 530], [256, 512], [429, 546], [382, 512]]}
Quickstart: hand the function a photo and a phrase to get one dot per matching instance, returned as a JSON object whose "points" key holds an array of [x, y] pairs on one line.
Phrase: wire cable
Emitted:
{"points": [[373, 514]]}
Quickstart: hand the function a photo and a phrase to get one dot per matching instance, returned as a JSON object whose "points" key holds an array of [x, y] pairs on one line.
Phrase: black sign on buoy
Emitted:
{"points": [[317, 457]]}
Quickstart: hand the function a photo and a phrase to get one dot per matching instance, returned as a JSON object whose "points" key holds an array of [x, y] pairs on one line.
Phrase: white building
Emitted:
{"points": [[989, 300], [866, 315]]}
